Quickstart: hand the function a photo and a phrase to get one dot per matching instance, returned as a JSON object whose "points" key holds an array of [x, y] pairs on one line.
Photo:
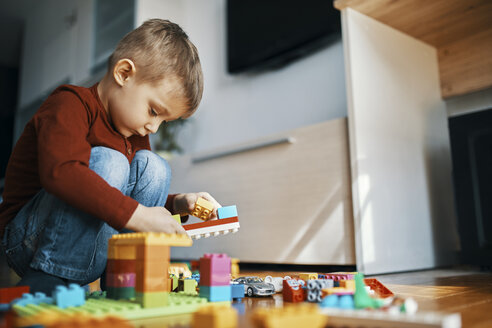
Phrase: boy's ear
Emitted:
{"points": [[123, 70]]}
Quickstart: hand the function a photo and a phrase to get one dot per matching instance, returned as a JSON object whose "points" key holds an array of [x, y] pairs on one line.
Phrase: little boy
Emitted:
{"points": [[82, 169]]}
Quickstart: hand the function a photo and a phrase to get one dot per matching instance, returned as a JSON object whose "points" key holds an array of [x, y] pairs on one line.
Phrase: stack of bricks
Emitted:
{"points": [[215, 277], [139, 264], [227, 222], [120, 271], [314, 289], [337, 276], [292, 291]]}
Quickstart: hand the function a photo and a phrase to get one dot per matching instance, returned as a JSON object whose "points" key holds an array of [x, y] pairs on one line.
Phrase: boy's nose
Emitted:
{"points": [[152, 128]]}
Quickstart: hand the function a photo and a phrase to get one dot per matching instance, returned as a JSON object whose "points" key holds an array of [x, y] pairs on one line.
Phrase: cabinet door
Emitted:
{"points": [[399, 149], [293, 199]]}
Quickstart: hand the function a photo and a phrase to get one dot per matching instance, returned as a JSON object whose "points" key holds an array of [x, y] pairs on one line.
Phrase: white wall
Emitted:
{"points": [[234, 108], [237, 108], [399, 144], [47, 49]]}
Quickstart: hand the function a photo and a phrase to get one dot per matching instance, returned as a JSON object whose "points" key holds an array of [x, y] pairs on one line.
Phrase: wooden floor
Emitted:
{"points": [[465, 290]]}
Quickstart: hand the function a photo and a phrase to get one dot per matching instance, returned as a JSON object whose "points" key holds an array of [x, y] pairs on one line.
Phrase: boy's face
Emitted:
{"points": [[139, 108]]}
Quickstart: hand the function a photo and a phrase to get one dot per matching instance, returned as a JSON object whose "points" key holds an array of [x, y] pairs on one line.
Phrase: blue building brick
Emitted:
{"points": [[216, 293], [227, 212], [73, 296], [36, 299], [237, 291], [346, 302]]}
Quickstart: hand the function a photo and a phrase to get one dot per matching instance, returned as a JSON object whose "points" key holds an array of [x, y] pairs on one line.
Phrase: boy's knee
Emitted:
{"points": [[111, 165], [153, 164]]}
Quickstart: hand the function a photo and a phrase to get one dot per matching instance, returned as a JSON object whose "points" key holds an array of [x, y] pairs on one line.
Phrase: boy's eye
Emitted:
{"points": [[153, 112]]}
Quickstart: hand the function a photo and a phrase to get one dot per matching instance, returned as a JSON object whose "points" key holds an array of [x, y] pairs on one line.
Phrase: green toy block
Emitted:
{"points": [[188, 286], [177, 217], [362, 299], [120, 293], [175, 283], [152, 299], [96, 294], [177, 304]]}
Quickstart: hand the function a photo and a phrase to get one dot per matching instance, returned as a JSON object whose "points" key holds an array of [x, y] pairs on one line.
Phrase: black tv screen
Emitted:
{"points": [[267, 34]]}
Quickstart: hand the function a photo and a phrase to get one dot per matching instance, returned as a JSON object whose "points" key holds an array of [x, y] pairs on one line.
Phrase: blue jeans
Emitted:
{"points": [[49, 235]]}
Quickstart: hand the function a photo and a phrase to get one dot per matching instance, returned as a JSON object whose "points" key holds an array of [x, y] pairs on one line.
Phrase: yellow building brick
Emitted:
{"points": [[152, 238], [213, 316], [347, 284], [203, 209], [290, 316], [308, 276]]}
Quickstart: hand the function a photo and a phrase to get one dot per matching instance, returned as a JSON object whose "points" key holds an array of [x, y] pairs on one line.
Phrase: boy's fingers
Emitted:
{"points": [[208, 197], [178, 228]]}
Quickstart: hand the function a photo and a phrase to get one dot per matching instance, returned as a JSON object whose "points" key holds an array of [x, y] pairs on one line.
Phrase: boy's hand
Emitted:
{"points": [[185, 203], [156, 219]]}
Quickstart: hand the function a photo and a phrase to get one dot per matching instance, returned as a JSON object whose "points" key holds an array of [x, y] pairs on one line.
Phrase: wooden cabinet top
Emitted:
{"points": [[460, 30], [436, 22]]}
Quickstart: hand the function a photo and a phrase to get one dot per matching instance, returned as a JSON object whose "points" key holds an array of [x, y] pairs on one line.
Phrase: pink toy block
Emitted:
{"points": [[339, 276], [120, 279], [215, 270]]}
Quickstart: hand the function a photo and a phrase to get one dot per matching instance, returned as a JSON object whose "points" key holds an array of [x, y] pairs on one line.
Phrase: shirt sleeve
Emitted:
{"points": [[62, 127]]}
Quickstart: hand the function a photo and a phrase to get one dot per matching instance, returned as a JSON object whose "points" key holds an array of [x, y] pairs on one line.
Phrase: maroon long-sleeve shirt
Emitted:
{"points": [[53, 153]]}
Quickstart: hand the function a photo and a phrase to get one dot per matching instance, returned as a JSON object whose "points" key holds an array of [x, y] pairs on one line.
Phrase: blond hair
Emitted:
{"points": [[160, 48]]}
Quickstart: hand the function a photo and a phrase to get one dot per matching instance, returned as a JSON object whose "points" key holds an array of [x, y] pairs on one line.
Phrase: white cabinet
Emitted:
{"points": [[292, 192], [399, 149]]}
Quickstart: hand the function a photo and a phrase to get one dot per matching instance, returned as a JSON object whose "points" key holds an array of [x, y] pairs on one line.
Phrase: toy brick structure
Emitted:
{"points": [[65, 297], [336, 276], [215, 276], [292, 291], [55, 319], [234, 268], [212, 228], [314, 289], [215, 316], [138, 265], [237, 291], [203, 209], [227, 222], [379, 289], [308, 276], [227, 212], [28, 299], [361, 297], [303, 315]]}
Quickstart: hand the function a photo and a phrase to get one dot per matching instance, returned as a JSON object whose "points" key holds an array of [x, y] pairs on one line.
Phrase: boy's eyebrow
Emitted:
{"points": [[160, 108]]}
